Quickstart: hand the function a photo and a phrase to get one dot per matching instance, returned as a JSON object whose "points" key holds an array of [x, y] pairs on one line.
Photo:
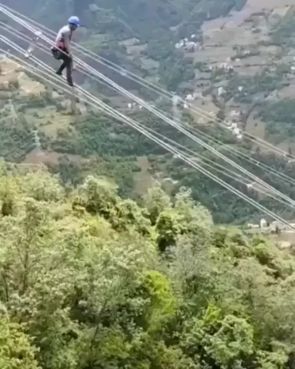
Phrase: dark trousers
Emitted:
{"points": [[67, 64]]}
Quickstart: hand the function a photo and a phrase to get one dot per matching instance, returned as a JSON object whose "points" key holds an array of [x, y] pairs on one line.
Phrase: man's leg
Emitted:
{"points": [[60, 55], [61, 68], [69, 65]]}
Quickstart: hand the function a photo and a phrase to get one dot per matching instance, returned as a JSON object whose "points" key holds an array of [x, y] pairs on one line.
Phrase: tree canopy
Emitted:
{"points": [[90, 280]]}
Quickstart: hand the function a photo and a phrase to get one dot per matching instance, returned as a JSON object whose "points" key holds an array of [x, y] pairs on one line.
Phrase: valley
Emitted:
{"points": [[233, 69]]}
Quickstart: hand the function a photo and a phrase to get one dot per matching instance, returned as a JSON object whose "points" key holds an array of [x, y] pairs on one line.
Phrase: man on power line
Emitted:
{"points": [[62, 48]]}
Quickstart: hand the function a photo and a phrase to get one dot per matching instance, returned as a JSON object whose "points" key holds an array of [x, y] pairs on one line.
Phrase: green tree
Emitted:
{"points": [[16, 350], [156, 201]]}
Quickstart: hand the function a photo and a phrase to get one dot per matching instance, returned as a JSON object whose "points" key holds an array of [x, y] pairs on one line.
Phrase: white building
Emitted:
{"points": [[221, 91], [263, 223]]}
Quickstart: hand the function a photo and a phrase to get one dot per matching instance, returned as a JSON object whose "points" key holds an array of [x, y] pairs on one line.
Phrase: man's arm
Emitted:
{"points": [[67, 42]]}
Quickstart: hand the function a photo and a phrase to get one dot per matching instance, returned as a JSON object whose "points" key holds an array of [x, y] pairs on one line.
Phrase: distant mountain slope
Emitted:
{"points": [[143, 17]]}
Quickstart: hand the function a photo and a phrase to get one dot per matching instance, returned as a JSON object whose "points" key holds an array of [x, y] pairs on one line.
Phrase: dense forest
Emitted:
{"points": [[90, 281]]}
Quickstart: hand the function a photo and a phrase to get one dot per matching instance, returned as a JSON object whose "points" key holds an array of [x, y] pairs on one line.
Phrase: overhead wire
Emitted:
{"points": [[205, 161], [156, 88], [203, 158], [175, 125], [238, 153], [107, 81], [232, 150], [98, 104]]}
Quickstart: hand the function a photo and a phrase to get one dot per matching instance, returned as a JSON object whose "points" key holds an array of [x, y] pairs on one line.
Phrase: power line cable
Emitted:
{"points": [[105, 108], [156, 88]]}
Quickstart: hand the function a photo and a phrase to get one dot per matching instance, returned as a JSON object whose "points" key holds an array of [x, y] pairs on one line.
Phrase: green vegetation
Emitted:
{"points": [[283, 34], [107, 148], [280, 118], [256, 88], [15, 140], [91, 281], [120, 170], [102, 136], [143, 19], [174, 68], [213, 196]]}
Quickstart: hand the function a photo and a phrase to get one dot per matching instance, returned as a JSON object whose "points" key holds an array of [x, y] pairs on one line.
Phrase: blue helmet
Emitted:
{"points": [[74, 20]]}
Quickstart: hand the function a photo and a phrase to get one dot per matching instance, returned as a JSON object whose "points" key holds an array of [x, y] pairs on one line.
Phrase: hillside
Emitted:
{"points": [[238, 68], [91, 280]]}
